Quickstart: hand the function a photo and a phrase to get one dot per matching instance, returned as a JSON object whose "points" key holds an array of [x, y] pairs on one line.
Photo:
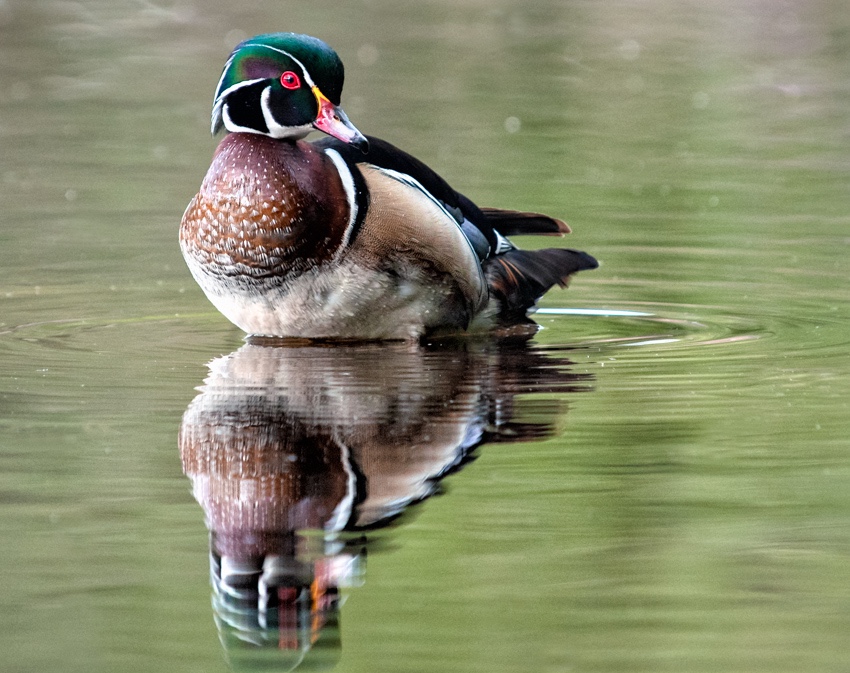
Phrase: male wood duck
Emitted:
{"points": [[348, 236]]}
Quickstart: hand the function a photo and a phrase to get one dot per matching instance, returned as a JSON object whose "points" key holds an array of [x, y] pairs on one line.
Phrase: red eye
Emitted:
{"points": [[290, 80]]}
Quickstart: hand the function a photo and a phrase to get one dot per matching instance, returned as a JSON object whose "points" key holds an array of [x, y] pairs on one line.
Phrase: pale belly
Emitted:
{"points": [[345, 300]]}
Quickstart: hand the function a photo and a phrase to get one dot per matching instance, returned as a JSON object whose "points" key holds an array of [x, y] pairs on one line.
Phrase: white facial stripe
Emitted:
{"points": [[223, 73], [350, 194], [273, 126], [229, 90], [219, 101], [233, 127], [275, 129], [285, 53]]}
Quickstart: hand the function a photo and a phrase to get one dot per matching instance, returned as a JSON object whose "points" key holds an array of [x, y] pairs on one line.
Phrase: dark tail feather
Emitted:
{"points": [[520, 277], [515, 223]]}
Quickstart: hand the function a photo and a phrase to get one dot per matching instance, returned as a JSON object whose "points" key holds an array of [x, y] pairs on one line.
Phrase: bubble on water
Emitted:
{"points": [[512, 124], [629, 50], [635, 84], [765, 77], [700, 100], [368, 54], [792, 90], [600, 176]]}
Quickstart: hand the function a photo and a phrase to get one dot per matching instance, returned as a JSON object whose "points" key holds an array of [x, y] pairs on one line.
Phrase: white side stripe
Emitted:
{"points": [[350, 194], [342, 512], [503, 244]]}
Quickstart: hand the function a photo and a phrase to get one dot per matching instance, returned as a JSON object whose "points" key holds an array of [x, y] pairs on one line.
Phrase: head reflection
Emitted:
{"points": [[295, 452]]}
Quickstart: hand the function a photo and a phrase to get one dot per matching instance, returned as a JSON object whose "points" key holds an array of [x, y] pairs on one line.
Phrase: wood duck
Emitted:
{"points": [[348, 236]]}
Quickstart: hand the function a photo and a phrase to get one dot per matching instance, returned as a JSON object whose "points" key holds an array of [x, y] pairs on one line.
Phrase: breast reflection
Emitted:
{"points": [[294, 453]]}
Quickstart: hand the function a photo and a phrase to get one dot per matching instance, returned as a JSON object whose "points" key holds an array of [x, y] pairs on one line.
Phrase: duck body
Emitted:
{"points": [[349, 236], [282, 241]]}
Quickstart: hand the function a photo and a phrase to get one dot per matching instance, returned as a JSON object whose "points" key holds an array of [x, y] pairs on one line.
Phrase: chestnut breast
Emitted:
{"points": [[266, 208]]}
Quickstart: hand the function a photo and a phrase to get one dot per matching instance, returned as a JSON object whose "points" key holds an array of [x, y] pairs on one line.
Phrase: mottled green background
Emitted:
{"points": [[692, 512]]}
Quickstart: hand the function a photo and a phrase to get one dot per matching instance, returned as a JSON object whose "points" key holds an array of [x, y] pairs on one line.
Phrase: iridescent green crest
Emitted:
{"points": [[268, 56]]}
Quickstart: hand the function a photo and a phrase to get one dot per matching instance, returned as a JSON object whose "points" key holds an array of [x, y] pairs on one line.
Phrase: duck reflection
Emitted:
{"points": [[296, 452]]}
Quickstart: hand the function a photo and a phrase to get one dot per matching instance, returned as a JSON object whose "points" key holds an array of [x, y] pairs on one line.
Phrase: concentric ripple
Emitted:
{"points": [[668, 326], [195, 334]]}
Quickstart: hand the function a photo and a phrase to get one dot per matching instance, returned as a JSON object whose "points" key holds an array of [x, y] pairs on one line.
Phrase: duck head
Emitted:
{"points": [[283, 85]]}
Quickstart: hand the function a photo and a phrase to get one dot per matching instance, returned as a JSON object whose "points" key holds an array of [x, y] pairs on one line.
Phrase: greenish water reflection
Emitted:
{"points": [[690, 513], [298, 454]]}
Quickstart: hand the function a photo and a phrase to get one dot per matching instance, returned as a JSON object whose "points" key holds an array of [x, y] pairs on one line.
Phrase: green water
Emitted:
{"points": [[683, 502]]}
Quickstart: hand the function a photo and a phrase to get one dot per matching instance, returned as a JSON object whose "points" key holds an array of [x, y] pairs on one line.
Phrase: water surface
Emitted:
{"points": [[658, 480]]}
